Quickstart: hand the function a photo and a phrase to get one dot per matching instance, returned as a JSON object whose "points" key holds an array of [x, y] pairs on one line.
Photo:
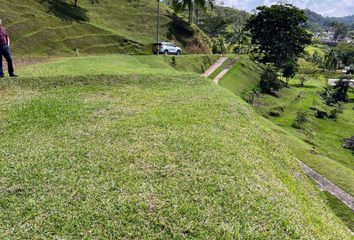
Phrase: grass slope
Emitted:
{"points": [[242, 77], [146, 155], [120, 64], [319, 145], [120, 26]]}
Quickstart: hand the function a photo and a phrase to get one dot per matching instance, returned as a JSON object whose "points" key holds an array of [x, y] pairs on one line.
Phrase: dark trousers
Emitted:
{"points": [[5, 51]]}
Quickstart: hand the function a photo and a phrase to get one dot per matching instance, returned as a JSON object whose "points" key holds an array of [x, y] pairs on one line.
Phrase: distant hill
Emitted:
{"points": [[317, 21], [347, 20], [56, 27]]}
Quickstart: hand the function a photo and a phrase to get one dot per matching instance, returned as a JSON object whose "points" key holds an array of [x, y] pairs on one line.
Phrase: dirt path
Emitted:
{"points": [[215, 66], [326, 185]]}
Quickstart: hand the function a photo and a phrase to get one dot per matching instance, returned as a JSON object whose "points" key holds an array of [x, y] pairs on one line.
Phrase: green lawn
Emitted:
{"points": [[120, 64], [341, 210], [95, 152]]}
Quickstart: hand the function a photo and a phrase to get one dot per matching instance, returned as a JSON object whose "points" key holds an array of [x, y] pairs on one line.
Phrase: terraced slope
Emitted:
{"points": [[113, 26], [141, 155]]}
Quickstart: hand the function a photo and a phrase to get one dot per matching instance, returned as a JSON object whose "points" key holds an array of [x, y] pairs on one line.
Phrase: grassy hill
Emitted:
{"points": [[140, 150], [319, 144], [51, 27]]}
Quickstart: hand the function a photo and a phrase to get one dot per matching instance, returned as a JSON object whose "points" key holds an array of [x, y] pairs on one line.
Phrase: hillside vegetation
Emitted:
{"points": [[319, 143], [151, 152], [49, 27]]}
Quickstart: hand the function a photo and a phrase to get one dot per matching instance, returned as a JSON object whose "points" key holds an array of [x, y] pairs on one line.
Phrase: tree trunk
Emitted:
{"points": [[190, 13], [197, 12]]}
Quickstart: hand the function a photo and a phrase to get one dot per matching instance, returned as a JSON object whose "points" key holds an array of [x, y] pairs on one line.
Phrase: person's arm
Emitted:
{"points": [[8, 40]]}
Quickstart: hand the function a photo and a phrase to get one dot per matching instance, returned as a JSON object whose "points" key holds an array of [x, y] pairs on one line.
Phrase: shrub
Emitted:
{"points": [[252, 95], [274, 113], [337, 93], [174, 62], [269, 81], [300, 119], [333, 113]]}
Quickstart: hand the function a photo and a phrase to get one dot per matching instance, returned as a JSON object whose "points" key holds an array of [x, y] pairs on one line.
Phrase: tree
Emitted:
{"points": [[331, 60], [191, 6], [279, 33], [269, 81], [340, 31], [303, 78], [346, 53], [289, 70], [317, 59], [237, 35]]}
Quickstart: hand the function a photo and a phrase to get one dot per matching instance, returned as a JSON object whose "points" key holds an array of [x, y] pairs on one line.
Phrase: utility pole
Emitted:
{"points": [[158, 27]]}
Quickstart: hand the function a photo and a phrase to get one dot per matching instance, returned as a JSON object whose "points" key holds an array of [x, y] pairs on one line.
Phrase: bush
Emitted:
{"points": [[337, 93], [300, 119], [174, 62], [269, 81], [274, 113], [334, 113]]}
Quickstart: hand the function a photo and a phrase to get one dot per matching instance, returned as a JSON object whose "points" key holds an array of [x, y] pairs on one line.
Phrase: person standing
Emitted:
{"points": [[5, 51]]}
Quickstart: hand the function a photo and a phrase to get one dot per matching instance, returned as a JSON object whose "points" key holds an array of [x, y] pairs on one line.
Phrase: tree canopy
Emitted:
{"points": [[279, 33]]}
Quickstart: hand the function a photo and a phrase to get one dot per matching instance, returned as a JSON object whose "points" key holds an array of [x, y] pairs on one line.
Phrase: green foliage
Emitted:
{"points": [[346, 53], [331, 60], [336, 93], [300, 119], [303, 78], [252, 94], [317, 59], [340, 30], [174, 62], [192, 6], [279, 33], [219, 45], [269, 81], [289, 70]]}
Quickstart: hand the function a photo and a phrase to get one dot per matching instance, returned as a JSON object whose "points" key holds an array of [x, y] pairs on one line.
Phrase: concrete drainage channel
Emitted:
{"points": [[326, 185], [218, 64], [215, 66]]}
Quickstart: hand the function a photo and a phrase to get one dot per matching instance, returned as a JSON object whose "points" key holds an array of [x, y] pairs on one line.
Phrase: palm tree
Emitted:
{"points": [[191, 6]]}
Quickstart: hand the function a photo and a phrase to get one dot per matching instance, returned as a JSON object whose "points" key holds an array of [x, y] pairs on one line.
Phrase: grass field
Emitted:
{"points": [[319, 143], [56, 28], [128, 153]]}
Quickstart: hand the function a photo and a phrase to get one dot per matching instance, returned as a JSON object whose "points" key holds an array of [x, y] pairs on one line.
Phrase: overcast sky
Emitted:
{"points": [[336, 8]]}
